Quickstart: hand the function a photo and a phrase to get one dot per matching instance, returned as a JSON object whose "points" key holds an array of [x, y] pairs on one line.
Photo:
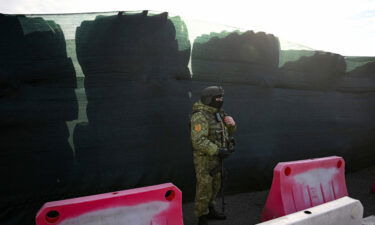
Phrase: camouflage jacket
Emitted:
{"points": [[207, 132]]}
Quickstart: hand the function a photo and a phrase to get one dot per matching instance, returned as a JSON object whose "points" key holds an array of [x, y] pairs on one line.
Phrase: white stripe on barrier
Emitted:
{"points": [[343, 211]]}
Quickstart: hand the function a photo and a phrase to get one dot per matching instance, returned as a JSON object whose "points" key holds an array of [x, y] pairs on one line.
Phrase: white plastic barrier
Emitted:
{"points": [[369, 220], [343, 211]]}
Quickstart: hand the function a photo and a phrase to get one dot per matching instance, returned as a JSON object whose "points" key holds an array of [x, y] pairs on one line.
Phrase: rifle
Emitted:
{"points": [[220, 168], [230, 148], [222, 186]]}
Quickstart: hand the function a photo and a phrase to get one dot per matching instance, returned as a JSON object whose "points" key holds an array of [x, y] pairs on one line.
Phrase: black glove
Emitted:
{"points": [[231, 144], [223, 153]]}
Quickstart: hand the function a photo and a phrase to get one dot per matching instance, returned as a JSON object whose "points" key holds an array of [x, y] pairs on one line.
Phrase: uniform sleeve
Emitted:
{"points": [[199, 135]]}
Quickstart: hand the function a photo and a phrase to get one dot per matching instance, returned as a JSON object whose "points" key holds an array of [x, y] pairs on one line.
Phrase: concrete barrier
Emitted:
{"points": [[153, 205], [343, 211], [302, 184]]}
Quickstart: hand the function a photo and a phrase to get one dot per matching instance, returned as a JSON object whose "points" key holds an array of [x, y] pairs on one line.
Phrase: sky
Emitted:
{"points": [[346, 27]]}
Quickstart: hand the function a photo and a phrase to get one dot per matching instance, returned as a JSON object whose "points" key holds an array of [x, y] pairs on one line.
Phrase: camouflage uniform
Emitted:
{"points": [[206, 137]]}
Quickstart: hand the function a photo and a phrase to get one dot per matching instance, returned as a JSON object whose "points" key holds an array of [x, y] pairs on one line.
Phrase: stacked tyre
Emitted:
{"points": [[136, 82], [37, 82], [235, 57]]}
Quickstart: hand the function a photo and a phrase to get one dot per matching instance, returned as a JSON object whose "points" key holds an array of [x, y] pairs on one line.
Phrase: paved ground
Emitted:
{"points": [[245, 208]]}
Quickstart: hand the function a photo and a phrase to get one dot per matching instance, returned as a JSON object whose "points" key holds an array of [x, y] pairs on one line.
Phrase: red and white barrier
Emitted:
{"points": [[153, 205], [299, 185]]}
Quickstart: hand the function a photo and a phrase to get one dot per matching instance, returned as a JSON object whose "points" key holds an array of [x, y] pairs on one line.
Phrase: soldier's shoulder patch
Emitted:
{"points": [[197, 127]]}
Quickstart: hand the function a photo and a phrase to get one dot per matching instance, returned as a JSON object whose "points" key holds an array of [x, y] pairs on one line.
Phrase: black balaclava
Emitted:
{"points": [[209, 95], [216, 104]]}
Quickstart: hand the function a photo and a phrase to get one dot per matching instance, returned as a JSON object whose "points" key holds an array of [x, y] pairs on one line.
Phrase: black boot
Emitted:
{"points": [[202, 220], [215, 215]]}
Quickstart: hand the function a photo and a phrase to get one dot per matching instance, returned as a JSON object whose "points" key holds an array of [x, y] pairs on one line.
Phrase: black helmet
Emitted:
{"points": [[209, 93]]}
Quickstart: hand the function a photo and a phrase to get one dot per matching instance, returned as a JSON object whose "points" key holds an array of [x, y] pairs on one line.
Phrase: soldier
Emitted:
{"points": [[210, 131]]}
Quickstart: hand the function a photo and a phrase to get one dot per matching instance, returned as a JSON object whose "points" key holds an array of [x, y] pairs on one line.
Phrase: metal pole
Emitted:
{"points": [[222, 166], [222, 186]]}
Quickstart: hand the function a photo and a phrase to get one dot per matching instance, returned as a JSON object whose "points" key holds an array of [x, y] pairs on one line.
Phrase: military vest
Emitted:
{"points": [[217, 131]]}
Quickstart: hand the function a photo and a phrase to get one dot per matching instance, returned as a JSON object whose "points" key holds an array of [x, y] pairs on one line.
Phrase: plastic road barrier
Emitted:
{"points": [[343, 211], [153, 205], [299, 185]]}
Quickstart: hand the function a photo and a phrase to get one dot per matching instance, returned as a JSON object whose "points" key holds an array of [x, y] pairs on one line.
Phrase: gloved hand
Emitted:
{"points": [[231, 145], [223, 153]]}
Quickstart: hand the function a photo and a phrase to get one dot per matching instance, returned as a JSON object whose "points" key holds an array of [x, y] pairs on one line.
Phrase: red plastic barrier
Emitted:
{"points": [[153, 205], [299, 185]]}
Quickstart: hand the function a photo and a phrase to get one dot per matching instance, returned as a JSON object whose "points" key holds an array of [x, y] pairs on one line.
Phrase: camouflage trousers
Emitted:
{"points": [[207, 188]]}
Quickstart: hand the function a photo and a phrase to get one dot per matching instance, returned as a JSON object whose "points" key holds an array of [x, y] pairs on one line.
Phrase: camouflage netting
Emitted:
{"points": [[235, 56], [99, 102], [137, 100], [37, 82], [135, 47]]}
